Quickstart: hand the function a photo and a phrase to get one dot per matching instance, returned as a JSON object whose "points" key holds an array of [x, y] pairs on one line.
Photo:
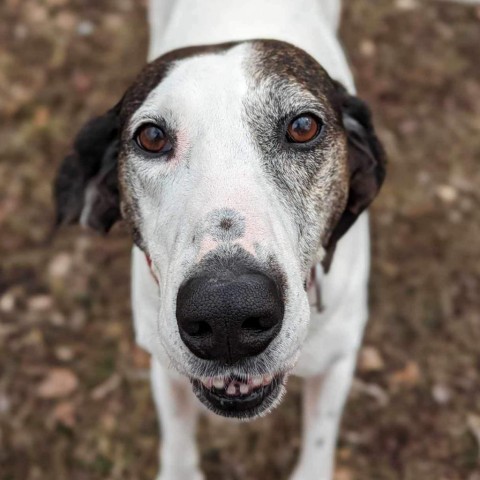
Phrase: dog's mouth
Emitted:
{"points": [[242, 398]]}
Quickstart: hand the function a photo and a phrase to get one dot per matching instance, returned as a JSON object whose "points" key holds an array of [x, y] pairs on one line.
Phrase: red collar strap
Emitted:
{"points": [[149, 262]]}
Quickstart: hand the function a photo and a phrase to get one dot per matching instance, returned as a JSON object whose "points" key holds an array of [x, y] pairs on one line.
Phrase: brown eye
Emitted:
{"points": [[153, 139], [303, 129]]}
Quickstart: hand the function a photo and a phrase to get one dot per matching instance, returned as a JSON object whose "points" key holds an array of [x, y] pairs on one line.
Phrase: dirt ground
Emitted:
{"points": [[74, 400]]}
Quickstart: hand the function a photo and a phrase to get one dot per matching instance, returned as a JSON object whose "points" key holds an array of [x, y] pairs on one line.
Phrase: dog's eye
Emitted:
{"points": [[153, 139], [303, 128]]}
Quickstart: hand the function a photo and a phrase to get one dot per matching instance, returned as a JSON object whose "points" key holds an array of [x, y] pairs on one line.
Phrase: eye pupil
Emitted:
{"points": [[152, 139], [303, 129]]}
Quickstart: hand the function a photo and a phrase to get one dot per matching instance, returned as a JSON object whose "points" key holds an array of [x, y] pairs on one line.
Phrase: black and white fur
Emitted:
{"points": [[302, 210]]}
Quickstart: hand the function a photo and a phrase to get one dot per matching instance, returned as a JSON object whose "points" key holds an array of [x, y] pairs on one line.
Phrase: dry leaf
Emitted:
{"points": [[40, 303], [343, 473], [60, 382], [60, 266], [372, 390], [406, 377], [64, 414], [102, 390], [370, 360], [406, 4]]}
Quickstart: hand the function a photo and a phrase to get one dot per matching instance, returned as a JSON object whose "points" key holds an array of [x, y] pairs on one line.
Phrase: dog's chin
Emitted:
{"points": [[238, 398]]}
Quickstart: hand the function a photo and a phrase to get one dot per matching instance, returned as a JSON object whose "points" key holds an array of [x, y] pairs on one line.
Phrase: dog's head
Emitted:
{"points": [[237, 166]]}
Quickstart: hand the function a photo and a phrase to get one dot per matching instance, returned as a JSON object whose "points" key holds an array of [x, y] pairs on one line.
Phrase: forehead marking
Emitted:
{"points": [[226, 225]]}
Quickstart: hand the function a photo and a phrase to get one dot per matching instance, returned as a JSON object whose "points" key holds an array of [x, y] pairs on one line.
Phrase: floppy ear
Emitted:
{"points": [[366, 163], [86, 185]]}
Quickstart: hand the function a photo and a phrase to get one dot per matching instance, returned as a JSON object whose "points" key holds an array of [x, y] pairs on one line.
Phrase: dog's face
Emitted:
{"points": [[237, 166]]}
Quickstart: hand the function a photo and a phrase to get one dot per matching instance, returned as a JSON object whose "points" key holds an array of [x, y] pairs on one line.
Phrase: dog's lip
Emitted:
{"points": [[240, 397]]}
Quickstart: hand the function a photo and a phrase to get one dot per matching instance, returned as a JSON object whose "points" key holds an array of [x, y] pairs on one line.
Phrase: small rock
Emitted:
{"points": [[7, 302], [406, 4], [64, 353], [446, 193], [85, 28], [368, 48], [441, 394]]}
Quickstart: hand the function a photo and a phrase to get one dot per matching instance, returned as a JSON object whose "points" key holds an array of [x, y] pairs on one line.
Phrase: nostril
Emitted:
{"points": [[257, 324], [198, 329]]}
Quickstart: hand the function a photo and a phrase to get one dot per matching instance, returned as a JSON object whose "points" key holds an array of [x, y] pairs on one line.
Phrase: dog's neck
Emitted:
{"points": [[308, 24]]}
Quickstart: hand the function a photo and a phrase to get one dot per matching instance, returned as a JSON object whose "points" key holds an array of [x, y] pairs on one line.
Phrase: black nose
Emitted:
{"points": [[228, 316]]}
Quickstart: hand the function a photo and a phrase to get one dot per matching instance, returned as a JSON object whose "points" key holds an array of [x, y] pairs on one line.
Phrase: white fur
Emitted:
{"points": [[217, 168], [327, 358]]}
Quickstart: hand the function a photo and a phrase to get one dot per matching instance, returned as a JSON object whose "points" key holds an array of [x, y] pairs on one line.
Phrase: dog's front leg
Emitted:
{"points": [[178, 412], [323, 401]]}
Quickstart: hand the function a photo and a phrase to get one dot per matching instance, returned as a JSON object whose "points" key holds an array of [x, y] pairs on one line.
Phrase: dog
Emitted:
{"points": [[243, 164]]}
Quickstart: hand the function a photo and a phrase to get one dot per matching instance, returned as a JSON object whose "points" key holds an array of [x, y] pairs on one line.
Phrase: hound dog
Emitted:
{"points": [[243, 164]]}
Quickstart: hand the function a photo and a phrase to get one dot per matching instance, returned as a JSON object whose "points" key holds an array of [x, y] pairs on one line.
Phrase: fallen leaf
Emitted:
{"points": [[60, 382], [60, 266], [102, 390], [370, 360], [406, 4], [64, 414], [40, 303], [409, 376], [372, 390], [343, 473]]}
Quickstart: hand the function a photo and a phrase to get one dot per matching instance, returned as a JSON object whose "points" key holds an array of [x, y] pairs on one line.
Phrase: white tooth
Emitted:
{"points": [[207, 381], [257, 381], [267, 379], [231, 390], [244, 389], [218, 383]]}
